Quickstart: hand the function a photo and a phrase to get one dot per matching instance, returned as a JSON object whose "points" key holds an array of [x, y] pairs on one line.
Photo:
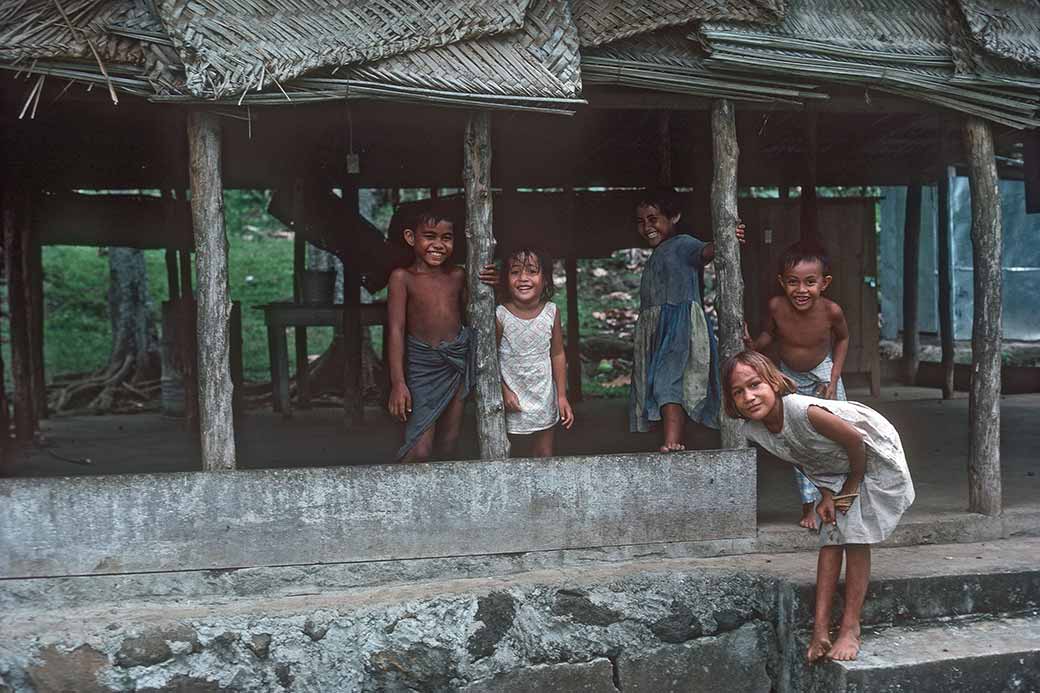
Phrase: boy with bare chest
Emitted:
{"points": [[428, 347], [812, 338]]}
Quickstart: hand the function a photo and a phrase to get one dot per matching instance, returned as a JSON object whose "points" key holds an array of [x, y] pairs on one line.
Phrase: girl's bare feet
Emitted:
{"points": [[672, 447], [818, 646], [846, 645], [808, 516]]}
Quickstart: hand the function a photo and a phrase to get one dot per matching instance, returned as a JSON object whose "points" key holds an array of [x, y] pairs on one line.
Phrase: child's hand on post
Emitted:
{"points": [[740, 233], [400, 405], [509, 399], [489, 275], [746, 337], [566, 413]]}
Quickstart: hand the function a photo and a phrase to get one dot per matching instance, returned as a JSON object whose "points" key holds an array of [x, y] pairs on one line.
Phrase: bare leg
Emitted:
{"points": [[423, 448], [828, 568], [449, 426], [674, 418], [857, 578], [543, 443]]}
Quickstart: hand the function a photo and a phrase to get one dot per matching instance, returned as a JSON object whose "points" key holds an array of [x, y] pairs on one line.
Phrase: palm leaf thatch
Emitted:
{"points": [[605, 21], [667, 60], [890, 45], [35, 29], [1005, 28], [229, 48]]}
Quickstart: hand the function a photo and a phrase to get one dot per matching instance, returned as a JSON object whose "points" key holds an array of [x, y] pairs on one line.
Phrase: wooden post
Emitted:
{"points": [[16, 206], [574, 392], [303, 385], [984, 490], [807, 203], [664, 148], [172, 278], [724, 218], [911, 264], [216, 418], [944, 241], [353, 404], [480, 250]]}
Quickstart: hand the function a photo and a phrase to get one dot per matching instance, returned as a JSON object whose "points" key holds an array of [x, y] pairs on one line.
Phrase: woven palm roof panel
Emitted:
{"points": [[1006, 28], [892, 45], [35, 29], [230, 47], [604, 21], [539, 60]]}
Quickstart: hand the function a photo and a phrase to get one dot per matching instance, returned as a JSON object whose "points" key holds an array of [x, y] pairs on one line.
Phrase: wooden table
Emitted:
{"points": [[279, 316]]}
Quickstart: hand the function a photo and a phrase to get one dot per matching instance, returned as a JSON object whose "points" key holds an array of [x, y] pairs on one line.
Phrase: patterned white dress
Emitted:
{"points": [[886, 491], [523, 356]]}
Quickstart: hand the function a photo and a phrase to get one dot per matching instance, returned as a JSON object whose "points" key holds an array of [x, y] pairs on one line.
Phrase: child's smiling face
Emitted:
{"points": [[753, 396], [654, 225], [803, 283], [432, 243], [526, 280]]}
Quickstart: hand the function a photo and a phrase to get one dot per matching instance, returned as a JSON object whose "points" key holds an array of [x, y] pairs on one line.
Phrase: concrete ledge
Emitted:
{"points": [[196, 521]]}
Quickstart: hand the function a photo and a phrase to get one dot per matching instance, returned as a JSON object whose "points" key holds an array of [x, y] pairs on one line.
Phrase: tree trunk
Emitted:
{"points": [[216, 419], [944, 241], [984, 483], [134, 333], [16, 216], [480, 250], [727, 248]]}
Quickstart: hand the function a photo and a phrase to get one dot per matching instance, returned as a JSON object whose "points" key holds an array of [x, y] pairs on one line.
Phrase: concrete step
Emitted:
{"points": [[991, 654]]}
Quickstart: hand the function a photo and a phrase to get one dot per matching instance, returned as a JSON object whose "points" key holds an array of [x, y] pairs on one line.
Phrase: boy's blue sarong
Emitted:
{"points": [[434, 374], [809, 383]]}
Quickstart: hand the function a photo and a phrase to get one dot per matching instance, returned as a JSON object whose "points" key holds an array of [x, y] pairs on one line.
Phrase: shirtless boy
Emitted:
{"points": [[812, 337], [428, 347]]}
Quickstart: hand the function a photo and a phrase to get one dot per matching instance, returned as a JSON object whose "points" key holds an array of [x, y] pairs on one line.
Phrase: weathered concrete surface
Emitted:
{"points": [[140, 523], [738, 661], [992, 654], [562, 630]]}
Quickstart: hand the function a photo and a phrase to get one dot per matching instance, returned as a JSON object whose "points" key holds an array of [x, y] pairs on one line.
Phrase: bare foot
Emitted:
{"points": [[672, 447], [808, 516], [846, 645], [818, 647]]}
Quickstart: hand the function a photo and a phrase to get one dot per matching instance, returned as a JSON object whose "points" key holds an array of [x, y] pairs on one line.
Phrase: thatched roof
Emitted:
{"points": [[976, 56]]}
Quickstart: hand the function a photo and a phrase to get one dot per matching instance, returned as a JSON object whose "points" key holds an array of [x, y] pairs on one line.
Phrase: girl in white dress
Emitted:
{"points": [[854, 457], [531, 355]]}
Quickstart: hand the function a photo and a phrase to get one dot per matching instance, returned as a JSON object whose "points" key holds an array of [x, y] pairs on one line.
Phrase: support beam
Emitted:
{"points": [[353, 404], [303, 384], [808, 223], [574, 392], [664, 148], [984, 483], [480, 251], [186, 284], [173, 283], [16, 209], [911, 270], [34, 304], [216, 418], [724, 219], [944, 241]]}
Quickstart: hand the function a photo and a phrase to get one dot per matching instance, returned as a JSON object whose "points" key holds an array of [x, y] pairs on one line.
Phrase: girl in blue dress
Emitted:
{"points": [[675, 371]]}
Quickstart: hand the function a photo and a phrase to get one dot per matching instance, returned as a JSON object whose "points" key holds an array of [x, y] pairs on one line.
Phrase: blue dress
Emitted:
{"points": [[676, 353]]}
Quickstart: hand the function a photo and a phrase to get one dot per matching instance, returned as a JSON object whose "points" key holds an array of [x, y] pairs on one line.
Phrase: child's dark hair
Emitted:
{"points": [[522, 255], [804, 251], [781, 384], [664, 198], [431, 213]]}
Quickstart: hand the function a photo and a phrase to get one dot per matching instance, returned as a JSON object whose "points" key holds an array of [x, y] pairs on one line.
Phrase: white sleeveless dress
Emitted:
{"points": [[523, 357], [886, 491]]}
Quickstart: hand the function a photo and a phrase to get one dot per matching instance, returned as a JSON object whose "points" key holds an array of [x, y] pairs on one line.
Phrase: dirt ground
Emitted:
{"points": [[935, 434]]}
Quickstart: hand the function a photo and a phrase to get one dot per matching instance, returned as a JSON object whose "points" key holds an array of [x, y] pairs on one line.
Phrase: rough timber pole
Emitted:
{"points": [[573, 332], [303, 383], [353, 404], [16, 204], [911, 257], [984, 492], [480, 250], [724, 220], [807, 203], [216, 419], [945, 262]]}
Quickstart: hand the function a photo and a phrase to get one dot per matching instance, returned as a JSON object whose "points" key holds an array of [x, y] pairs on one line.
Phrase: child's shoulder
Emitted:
{"points": [[399, 276], [832, 308]]}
